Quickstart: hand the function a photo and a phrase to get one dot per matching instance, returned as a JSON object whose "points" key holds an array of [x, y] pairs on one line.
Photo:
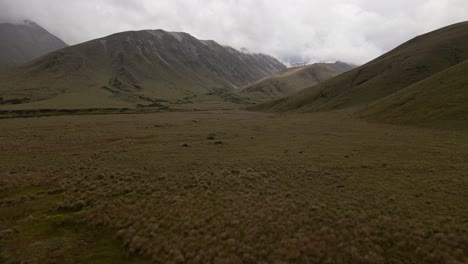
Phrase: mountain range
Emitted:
{"points": [[423, 81]]}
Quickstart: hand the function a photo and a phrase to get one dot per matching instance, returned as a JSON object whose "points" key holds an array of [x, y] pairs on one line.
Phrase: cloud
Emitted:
{"points": [[349, 30]]}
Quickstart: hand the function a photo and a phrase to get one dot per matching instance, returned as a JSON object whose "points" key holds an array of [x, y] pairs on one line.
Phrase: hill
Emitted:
{"points": [[408, 64], [293, 80], [135, 68], [439, 100], [22, 43]]}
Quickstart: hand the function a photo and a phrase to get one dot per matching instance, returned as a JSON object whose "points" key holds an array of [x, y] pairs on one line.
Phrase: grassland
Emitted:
{"points": [[231, 187]]}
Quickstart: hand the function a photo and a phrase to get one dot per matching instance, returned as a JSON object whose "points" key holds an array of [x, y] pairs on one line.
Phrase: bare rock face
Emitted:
{"points": [[22, 43]]}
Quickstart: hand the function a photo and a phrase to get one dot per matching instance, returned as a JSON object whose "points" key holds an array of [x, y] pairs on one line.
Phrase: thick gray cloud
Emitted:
{"points": [[349, 30]]}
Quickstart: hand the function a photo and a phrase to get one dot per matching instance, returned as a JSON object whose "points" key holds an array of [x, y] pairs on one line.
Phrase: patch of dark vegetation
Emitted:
{"points": [[184, 101], [126, 86], [153, 103], [107, 88], [75, 207], [229, 97], [116, 83], [55, 112], [323, 94], [153, 100], [14, 101], [7, 232], [362, 82]]}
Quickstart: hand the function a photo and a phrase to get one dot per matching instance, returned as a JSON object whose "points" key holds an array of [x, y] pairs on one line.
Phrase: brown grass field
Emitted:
{"points": [[231, 187]]}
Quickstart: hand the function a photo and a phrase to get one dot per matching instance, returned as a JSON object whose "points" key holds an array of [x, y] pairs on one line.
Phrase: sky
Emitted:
{"points": [[353, 31]]}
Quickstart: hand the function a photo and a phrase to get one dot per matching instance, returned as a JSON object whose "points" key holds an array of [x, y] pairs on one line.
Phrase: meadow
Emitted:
{"points": [[231, 187]]}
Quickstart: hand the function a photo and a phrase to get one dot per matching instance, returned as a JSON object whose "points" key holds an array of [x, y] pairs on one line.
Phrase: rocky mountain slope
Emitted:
{"points": [[22, 43], [135, 68], [292, 80], [398, 74]]}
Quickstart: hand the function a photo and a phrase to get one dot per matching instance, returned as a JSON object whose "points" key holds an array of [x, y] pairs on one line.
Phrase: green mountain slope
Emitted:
{"points": [[408, 64], [293, 80], [22, 43], [440, 100], [134, 68]]}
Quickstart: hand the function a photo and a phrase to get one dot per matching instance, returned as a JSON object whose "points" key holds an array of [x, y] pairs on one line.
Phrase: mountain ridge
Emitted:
{"points": [[136, 67]]}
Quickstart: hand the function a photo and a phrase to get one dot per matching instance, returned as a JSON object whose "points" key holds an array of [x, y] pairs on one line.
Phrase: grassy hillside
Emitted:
{"points": [[408, 64], [292, 80], [439, 100], [134, 68]]}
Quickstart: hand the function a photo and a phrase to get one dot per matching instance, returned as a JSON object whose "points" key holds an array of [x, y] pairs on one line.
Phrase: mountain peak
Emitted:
{"points": [[28, 22], [23, 42]]}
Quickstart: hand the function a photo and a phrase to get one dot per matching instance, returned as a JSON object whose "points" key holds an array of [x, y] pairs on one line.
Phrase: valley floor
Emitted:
{"points": [[230, 186]]}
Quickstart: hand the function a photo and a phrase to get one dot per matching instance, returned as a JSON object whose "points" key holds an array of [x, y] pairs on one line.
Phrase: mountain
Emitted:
{"points": [[292, 80], [440, 100], [295, 61], [135, 68], [408, 64], [339, 67], [22, 43]]}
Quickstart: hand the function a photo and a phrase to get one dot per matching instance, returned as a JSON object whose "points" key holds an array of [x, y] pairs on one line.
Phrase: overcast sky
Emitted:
{"points": [[354, 31]]}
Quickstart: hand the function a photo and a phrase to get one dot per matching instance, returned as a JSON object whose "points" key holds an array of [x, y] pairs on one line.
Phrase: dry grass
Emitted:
{"points": [[309, 188]]}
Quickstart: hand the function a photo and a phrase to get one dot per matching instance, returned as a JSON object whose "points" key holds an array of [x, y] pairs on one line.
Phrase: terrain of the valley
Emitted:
{"points": [[231, 186], [156, 147]]}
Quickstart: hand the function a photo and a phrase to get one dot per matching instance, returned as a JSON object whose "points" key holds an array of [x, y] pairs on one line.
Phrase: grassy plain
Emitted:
{"points": [[231, 187]]}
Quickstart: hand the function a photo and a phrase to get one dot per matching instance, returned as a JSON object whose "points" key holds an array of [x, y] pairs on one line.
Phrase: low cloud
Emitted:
{"points": [[354, 31]]}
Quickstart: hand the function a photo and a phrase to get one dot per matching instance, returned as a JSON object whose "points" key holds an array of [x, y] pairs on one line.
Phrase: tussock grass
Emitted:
{"points": [[312, 188]]}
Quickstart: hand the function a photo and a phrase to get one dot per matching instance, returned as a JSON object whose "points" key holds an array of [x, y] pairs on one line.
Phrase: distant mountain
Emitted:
{"points": [[295, 61], [339, 67], [402, 69], [22, 43], [292, 80], [136, 68]]}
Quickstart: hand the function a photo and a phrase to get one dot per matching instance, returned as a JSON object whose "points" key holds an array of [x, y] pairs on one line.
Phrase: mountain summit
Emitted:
{"points": [[22, 43]]}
